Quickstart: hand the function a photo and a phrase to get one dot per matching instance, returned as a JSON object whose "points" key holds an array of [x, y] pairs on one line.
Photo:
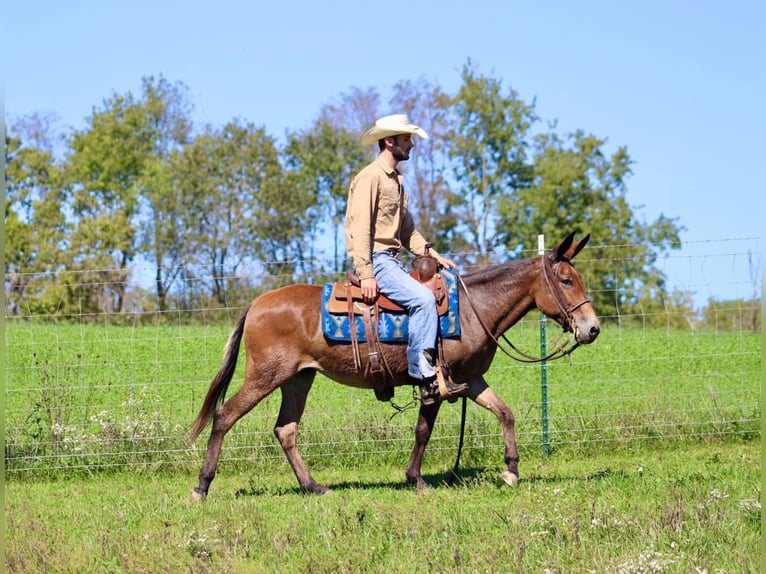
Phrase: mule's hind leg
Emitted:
{"points": [[423, 430], [483, 395], [242, 402], [294, 393]]}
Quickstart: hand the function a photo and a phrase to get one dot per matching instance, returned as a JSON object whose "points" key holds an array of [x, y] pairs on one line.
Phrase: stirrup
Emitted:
{"points": [[448, 389], [440, 387]]}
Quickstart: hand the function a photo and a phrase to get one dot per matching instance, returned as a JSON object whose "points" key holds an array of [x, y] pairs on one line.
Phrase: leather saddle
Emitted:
{"points": [[346, 298], [425, 270]]}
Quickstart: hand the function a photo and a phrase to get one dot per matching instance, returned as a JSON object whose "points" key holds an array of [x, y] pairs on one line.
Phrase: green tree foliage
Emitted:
{"points": [[168, 114], [322, 161], [35, 223], [227, 179], [104, 168], [487, 147], [114, 169], [576, 186]]}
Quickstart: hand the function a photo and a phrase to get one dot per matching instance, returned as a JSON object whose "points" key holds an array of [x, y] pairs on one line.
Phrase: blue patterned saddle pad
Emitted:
{"points": [[392, 327]]}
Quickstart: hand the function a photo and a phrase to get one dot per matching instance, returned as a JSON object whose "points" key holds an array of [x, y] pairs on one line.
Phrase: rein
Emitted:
{"points": [[567, 312]]}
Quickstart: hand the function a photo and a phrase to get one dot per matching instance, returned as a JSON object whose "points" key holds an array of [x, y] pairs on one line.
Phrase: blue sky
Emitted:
{"points": [[681, 84]]}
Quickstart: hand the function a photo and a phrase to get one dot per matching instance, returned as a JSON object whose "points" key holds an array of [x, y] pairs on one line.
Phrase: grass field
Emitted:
{"points": [[641, 509], [654, 467], [84, 398]]}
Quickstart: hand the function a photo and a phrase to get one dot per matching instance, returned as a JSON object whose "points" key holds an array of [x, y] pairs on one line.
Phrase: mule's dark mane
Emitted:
{"points": [[496, 275]]}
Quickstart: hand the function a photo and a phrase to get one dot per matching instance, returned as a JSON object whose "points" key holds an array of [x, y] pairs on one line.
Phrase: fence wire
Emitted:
{"points": [[112, 391]]}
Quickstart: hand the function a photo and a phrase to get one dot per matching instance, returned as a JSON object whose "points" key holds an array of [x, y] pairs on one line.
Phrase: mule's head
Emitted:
{"points": [[562, 295]]}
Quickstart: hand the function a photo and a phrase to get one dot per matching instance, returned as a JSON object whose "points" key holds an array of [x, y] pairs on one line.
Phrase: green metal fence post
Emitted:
{"points": [[543, 367]]}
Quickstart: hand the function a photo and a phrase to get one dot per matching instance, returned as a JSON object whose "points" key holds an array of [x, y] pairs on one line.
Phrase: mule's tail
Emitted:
{"points": [[217, 391]]}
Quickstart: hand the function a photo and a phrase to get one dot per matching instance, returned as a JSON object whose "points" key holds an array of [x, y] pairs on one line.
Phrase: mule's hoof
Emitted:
{"points": [[315, 488], [418, 482], [197, 496], [510, 479]]}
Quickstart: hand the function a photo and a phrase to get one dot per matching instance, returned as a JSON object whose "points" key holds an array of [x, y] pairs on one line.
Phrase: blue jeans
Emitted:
{"points": [[396, 284]]}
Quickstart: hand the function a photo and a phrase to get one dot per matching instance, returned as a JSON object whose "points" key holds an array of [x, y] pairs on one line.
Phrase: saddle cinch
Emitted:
{"points": [[346, 297]]}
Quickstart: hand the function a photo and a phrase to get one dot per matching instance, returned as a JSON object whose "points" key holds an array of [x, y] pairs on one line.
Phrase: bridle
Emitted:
{"points": [[554, 290]]}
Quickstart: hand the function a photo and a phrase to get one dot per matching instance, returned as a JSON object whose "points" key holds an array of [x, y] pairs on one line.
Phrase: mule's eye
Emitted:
{"points": [[566, 282]]}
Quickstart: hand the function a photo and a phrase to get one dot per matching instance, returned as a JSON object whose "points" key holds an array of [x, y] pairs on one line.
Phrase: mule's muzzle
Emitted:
{"points": [[586, 331]]}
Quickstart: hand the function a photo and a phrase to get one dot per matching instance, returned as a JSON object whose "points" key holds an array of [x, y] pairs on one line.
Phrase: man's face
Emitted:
{"points": [[402, 144]]}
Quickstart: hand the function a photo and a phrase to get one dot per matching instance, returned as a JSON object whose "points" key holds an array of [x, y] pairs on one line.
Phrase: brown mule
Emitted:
{"points": [[285, 348]]}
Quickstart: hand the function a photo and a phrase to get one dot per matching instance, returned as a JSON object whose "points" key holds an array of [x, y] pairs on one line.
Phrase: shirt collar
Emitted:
{"points": [[388, 171]]}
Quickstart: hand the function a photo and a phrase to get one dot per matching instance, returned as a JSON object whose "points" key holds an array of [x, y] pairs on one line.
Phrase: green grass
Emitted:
{"points": [[84, 398], [649, 508], [655, 464]]}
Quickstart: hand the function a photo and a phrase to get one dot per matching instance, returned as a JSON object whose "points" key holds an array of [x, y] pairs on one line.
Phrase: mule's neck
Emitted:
{"points": [[503, 294]]}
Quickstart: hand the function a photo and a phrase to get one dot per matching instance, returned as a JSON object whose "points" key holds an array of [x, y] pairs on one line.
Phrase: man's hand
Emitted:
{"points": [[444, 262], [369, 289]]}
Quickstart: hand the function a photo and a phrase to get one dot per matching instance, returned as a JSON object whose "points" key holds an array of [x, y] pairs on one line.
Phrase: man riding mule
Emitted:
{"points": [[285, 346], [378, 225]]}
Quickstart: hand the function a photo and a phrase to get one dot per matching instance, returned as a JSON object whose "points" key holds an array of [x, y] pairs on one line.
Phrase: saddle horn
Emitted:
{"points": [[426, 265]]}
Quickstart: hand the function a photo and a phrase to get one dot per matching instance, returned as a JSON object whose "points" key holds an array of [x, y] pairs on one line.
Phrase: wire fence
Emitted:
{"points": [[89, 395]]}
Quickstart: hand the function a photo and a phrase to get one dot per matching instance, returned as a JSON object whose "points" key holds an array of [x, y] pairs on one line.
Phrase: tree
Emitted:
{"points": [[355, 112], [487, 147], [427, 105], [115, 170], [168, 113], [35, 223], [322, 161], [286, 224], [575, 186], [222, 176]]}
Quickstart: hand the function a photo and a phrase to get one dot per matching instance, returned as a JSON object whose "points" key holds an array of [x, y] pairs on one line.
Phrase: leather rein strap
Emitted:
{"points": [[568, 313]]}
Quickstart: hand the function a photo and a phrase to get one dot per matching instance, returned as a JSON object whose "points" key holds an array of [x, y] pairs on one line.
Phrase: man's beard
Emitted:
{"points": [[399, 154]]}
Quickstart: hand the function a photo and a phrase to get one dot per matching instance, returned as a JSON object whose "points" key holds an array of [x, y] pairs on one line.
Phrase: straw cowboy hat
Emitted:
{"points": [[391, 126]]}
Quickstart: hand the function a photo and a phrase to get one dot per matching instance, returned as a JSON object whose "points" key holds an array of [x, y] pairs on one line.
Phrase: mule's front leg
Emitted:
{"points": [[480, 393], [423, 430]]}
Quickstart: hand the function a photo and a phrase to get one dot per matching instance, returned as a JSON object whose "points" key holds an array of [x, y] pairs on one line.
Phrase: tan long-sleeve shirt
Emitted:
{"points": [[377, 217]]}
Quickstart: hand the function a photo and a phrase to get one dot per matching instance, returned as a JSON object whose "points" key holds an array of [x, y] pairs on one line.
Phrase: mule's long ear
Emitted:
{"points": [[578, 247], [560, 251]]}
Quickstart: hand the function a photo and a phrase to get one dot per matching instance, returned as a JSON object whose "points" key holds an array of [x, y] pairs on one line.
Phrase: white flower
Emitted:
{"points": [[750, 505]]}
